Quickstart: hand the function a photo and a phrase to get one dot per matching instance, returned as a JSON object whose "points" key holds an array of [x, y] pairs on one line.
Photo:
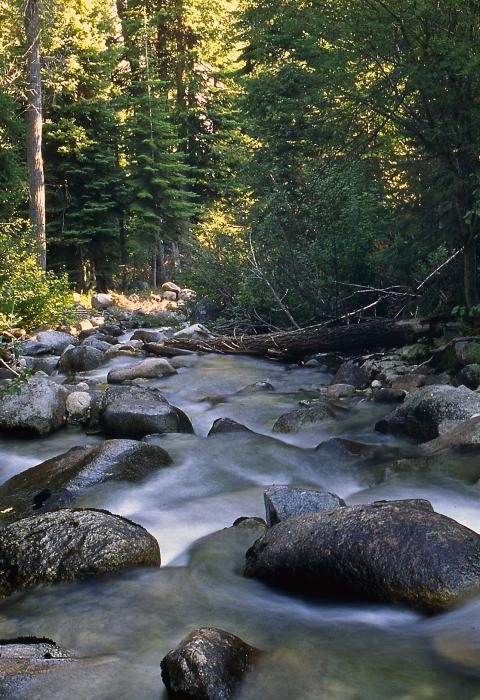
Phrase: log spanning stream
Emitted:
{"points": [[120, 627]]}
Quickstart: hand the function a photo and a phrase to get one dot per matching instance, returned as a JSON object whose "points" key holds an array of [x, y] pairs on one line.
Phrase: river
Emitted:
{"points": [[120, 627]]}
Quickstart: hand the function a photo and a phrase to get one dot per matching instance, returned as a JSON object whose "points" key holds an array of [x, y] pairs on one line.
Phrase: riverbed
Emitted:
{"points": [[120, 627]]}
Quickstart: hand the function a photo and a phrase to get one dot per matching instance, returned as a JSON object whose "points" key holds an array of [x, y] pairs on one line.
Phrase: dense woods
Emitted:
{"points": [[292, 161]]}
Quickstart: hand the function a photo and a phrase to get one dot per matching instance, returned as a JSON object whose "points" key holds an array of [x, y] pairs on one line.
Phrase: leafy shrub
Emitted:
{"points": [[29, 298]]}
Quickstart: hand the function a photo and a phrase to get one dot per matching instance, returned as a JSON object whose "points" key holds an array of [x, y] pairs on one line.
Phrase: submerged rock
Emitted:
{"points": [[23, 659], [69, 545], [57, 482], [37, 410], [282, 502], [208, 664], [293, 421], [227, 425], [152, 368], [134, 412], [398, 552], [423, 412], [81, 359]]}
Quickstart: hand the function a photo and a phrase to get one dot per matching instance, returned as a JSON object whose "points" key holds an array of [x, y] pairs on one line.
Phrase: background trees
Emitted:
{"points": [[295, 157]]}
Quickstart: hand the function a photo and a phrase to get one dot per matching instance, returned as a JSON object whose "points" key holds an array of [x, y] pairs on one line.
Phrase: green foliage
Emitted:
{"points": [[28, 297]]}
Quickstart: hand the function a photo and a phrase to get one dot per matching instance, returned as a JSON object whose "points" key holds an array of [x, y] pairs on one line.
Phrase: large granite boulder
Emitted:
{"points": [[38, 409], [134, 412], [81, 359], [353, 373], [57, 482], [208, 664], [424, 411], [100, 302], [282, 502], [56, 341], [41, 363], [152, 368], [293, 421], [69, 545], [398, 552]]}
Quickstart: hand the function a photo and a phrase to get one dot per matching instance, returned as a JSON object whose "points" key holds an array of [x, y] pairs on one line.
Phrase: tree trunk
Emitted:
{"points": [[176, 256], [296, 344], [470, 273], [161, 272], [34, 130]]}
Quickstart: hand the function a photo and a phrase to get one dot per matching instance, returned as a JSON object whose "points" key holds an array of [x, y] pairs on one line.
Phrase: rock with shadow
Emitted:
{"points": [[282, 502], [394, 552], [57, 482], [133, 412], [71, 545], [208, 664], [37, 409]]}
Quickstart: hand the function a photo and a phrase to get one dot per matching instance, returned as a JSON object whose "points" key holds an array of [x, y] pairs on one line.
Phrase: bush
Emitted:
{"points": [[29, 298]]}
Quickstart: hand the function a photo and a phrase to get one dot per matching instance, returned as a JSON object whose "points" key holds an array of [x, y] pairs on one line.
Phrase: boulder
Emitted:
{"points": [[56, 341], [293, 421], [78, 406], [350, 372], [38, 408], [44, 363], [469, 376], [134, 412], [208, 664], [81, 359], [389, 395], [415, 354], [170, 296], [282, 502], [340, 391], [57, 482], [151, 368], [150, 336], [468, 352], [100, 302], [408, 382], [397, 552], [95, 342], [23, 659], [464, 434], [84, 326], [69, 545], [227, 425], [422, 412]]}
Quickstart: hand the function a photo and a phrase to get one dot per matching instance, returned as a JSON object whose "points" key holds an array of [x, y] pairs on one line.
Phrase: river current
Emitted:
{"points": [[120, 627]]}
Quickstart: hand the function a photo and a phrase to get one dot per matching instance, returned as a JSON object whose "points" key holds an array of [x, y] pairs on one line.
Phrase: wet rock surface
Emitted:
{"points": [[57, 482], [69, 545], [422, 413], [148, 369], [398, 552], [227, 425], [208, 664], [282, 502], [80, 359], [293, 421], [38, 409], [134, 412]]}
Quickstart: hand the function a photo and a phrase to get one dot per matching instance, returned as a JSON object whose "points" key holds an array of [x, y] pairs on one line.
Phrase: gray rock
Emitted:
{"points": [[151, 368], [57, 482], [293, 421], [171, 287], [393, 552], [422, 412], [469, 376], [208, 664], [389, 395], [350, 372], [101, 301], [81, 359], [97, 343], [37, 410], [134, 412], [195, 332], [44, 363], [468, 352], [462, 434], [78, 406], [56, 341], [340, 391], [415, 354], [69, 545], [23, 659], [282, 502], [227, 425], [150, 336]]}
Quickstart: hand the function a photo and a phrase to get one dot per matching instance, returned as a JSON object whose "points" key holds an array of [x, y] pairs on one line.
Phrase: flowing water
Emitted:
{"points": [[121, 626]]}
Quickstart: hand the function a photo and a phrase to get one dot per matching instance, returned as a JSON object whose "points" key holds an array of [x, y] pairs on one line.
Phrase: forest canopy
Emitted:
{"points": [[292, 161]]}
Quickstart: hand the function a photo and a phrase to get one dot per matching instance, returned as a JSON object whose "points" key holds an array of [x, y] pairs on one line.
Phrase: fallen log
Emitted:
{"points": [[161, 350], [296, 344]]}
